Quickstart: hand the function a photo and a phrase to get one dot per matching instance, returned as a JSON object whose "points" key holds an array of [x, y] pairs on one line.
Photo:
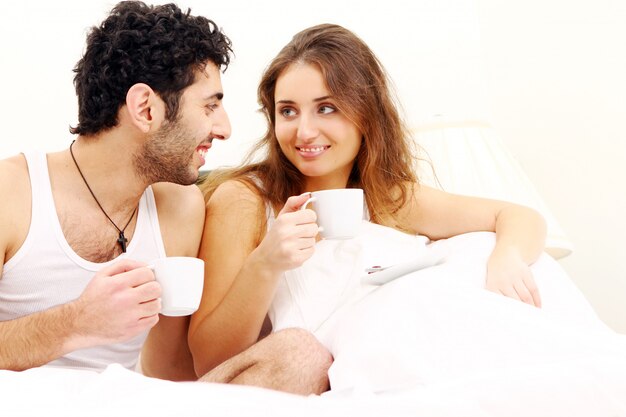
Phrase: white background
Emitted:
{"points": [[549, 75]]}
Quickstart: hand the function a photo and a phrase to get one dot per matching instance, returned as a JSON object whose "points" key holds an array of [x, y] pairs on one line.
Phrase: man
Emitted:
{"points": [[81, 224]]}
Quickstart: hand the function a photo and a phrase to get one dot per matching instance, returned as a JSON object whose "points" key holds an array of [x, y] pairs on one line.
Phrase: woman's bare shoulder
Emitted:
{"points": [[235, 194]]}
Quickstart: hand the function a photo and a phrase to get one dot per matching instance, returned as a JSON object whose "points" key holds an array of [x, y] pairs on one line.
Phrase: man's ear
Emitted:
{"points": [[146, 110]]}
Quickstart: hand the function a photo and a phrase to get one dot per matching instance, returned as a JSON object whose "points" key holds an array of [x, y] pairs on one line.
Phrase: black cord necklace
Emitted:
{"points": [[121, 240]]}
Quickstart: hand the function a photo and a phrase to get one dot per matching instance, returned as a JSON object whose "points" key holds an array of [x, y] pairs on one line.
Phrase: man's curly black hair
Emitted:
{"points": [[161, 46]]}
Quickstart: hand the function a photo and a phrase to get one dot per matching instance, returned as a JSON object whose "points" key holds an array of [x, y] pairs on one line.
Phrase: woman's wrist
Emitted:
{"points": [[258, 265], [505, 253]]}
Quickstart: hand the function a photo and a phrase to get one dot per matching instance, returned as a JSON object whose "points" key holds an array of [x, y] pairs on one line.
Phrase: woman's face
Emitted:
{"points": [[312, 132]]}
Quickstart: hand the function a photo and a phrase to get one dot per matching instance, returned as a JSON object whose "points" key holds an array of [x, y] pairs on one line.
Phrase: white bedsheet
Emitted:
{"points": [[432, 343], [438, 333], [119, 392]]}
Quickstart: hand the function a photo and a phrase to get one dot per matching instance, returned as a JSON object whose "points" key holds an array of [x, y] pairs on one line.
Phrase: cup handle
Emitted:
{"points": [[306, 203]]}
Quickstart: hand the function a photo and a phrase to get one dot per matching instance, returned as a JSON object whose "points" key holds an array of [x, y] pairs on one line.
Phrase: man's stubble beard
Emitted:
{"points": [[166, 156]]}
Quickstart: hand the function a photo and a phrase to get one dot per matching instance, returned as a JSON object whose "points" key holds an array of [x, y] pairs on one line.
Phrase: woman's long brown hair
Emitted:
{"points": [[384, 166]]}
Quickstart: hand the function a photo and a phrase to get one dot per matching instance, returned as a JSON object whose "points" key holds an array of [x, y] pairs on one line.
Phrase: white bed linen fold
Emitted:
{"points": [[438, 327], [431, 343], [52, 392]]}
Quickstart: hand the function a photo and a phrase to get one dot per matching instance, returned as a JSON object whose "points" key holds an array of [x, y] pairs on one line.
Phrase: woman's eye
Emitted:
{"points": [[327, 109], [287, 112]]}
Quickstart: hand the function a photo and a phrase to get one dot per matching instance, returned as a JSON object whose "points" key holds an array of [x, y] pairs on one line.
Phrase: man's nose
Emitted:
{"points": [[221, 125]]}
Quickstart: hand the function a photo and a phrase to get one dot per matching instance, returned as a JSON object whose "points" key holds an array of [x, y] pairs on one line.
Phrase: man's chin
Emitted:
{"points": [[193, 178], [188, 178]]}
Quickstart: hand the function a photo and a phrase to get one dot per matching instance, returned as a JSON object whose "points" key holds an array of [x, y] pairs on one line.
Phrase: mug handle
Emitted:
{"points": [[306, 203]]}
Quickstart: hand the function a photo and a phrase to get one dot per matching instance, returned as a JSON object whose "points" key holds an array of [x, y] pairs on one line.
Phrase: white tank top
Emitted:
{"points": [[46, 272]]}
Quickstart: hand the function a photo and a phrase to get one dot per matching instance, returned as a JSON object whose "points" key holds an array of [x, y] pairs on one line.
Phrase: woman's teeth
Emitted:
{"points": [[312, 150]]}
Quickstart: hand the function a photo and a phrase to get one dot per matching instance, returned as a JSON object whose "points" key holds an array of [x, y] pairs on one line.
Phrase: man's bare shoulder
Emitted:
{"points": [[14, 185], [14, 205], [13, 172]]}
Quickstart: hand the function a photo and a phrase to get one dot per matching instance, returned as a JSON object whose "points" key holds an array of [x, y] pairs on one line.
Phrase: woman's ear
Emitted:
{"points": [[146, 110]]}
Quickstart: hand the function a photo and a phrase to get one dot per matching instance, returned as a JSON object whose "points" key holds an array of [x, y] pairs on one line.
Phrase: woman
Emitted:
{"points": [[332, 123]]}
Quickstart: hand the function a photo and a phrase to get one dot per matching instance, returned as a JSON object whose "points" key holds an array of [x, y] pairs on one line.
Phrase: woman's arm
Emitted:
{"points": [[242, 268], [520, 234]]}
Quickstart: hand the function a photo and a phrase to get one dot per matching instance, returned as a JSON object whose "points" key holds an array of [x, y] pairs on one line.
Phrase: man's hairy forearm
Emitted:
{"points": [[37, 339]]}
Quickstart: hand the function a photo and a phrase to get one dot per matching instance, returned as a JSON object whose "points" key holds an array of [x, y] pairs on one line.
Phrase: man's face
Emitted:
{"points": [[176, 151]]}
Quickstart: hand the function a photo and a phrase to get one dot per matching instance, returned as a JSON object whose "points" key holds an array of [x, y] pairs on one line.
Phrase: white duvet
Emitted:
{"points": [[430, 343], [437, 333]]}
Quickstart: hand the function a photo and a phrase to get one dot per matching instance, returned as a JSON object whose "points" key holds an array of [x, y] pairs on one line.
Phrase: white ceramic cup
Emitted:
{"points": [[182, 280], [339, 212]]}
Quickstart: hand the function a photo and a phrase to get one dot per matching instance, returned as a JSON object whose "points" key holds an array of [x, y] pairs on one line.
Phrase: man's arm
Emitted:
{"points": [[108, 311], [119, 303], [37, 339], [166, 352]]}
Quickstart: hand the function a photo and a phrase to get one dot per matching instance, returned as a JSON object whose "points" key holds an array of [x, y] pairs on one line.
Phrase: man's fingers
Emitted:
{"points": [[150, 308], [122, 266], [136, 277], [148, 291], [148, 321]]}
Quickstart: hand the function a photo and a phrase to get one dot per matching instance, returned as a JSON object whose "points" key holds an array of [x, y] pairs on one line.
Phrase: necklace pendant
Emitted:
{"points": [[122, 241]]}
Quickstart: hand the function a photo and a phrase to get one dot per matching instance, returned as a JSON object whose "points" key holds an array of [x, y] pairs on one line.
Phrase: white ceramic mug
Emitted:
{"points": [[339, 212], [182, 280]]}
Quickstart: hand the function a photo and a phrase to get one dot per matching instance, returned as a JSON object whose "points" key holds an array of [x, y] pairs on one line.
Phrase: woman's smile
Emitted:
{"points": [[312, 151]]}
